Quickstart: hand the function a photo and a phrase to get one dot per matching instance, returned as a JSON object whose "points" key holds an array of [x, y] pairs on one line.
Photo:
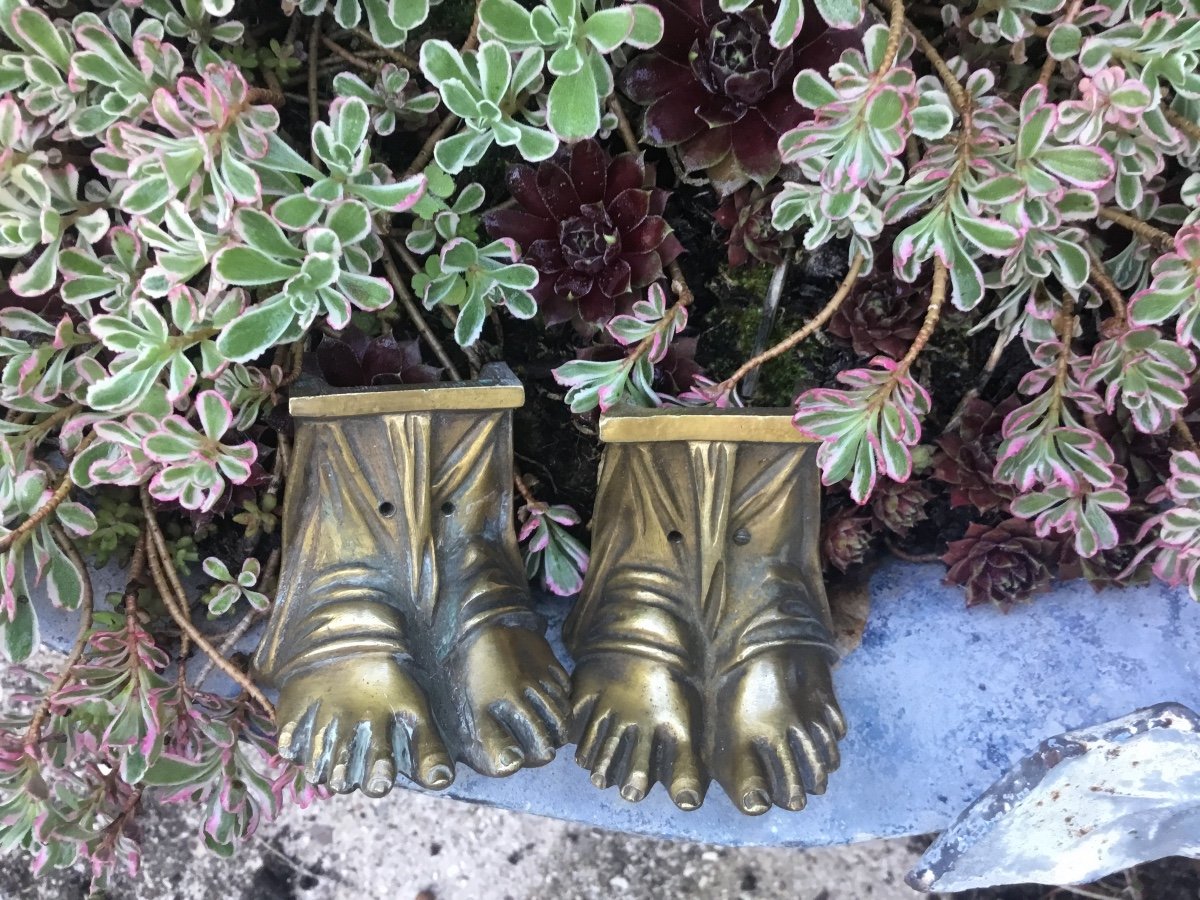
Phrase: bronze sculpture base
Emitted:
{"points": [[702, 636], [403, 638]]}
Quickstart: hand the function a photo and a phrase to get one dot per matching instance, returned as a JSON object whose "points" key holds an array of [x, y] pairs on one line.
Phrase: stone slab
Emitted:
{"points": [[1083, 805], [940, 702]]}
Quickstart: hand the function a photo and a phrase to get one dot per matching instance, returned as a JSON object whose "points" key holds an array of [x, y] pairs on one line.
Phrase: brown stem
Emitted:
{"points": [[1161, 240], [33, 734], [895, 34], [166, 581], [314, 105], [985, 375], [525, 492], [958, 94], [414, 313], [1184, 124], [353, 58], [297, 353], [623, 126], [1185, 433], [937, 296], [270, 96], [422, 158], [394, 55], [796, 337], [39, 515], [1051, 63], [900, 553], [239, 631], [38, 431], [1106, 286]]}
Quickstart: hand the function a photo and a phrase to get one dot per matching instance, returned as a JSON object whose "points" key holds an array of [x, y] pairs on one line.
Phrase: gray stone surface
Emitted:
{"points": [[940, 702], [1083, 805]]}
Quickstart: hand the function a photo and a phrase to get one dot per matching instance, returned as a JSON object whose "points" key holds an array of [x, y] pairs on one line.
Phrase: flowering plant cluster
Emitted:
{"points": [[980, 224]]}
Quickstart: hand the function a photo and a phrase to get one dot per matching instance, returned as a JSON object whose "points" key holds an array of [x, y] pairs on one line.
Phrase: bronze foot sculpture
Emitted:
{"points": [[403, 639], [702, 637]]}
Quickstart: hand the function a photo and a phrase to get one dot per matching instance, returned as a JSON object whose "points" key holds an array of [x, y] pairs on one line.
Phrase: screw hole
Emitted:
{"points": [[741, 537], [675, 537], [447, 508], [387, 509]]}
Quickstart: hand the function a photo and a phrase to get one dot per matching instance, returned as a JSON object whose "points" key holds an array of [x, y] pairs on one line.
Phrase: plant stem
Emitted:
{"points": [[410, 306], [22, 531], [1161, 240], [895, 33], [525, 492], [297, 353], [394, 55], [444, 127], [353, 58], [958, 94], [1185, 433], [1184, 124], [937, 296], [239, 631], [1106, 286], [33, 734], [985, 375], [166, 581], [796, 337], [1051, 63]]}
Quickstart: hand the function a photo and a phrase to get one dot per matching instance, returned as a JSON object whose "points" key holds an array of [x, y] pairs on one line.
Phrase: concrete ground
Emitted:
{"points": [[414, 847]]}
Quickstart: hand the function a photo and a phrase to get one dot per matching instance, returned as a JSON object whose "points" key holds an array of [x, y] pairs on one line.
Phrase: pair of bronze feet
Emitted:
{"points": [[404, 641]]}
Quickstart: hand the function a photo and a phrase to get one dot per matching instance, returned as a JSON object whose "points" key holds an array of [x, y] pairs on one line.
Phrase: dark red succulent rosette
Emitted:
{"points": [[351, 358], [968, 456], [592, 226], [1000, 565], [746, 215], [715, 87]]}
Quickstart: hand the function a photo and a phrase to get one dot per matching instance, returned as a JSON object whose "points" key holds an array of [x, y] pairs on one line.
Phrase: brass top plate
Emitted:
{"points": [[623, 425], [496, 388]]}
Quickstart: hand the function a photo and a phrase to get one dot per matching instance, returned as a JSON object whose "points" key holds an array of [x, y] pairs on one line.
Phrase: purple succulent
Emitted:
{"points": [[899, 505], [746, 215], [716, 88], [1001, 565], [352, 359], [592, 226], [846, 538], [968, 456]]}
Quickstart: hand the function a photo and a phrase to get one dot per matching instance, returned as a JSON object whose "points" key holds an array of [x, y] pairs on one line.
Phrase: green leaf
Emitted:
{"points": [[246, 266], [471, 316], [647, 26], [574, 107], [37, 32], [350, 221], [1084, 167], [607, 29], [508, 21], [813, 90], [351, 123], [256, 330], [262, 233], [840, 13], [534, 144], [20, 636]]}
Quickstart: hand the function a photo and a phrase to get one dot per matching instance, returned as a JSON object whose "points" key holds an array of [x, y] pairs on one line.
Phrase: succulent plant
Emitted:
{"points": [[592, 226], [718, 90], [898, 506], [394, 98], [746, 215], [1001, 565], [968, 456], [882, 315], [352, 358], [846, 538]]}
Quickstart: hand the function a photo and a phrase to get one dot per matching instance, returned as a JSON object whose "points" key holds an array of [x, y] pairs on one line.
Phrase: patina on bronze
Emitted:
{"points": [[702, 637], [403, 638]]}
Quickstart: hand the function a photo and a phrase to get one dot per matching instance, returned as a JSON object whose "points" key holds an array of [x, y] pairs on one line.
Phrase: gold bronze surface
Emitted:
{"points": [[403, 637], [702, 637]]}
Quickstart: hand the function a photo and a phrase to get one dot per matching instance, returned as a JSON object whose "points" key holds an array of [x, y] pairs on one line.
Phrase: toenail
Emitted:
{"points": [[756, 801], [687, 799], [632, 794], [599, 780], [511, 756], [439, 777], [796, 802], [379, 786]]}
